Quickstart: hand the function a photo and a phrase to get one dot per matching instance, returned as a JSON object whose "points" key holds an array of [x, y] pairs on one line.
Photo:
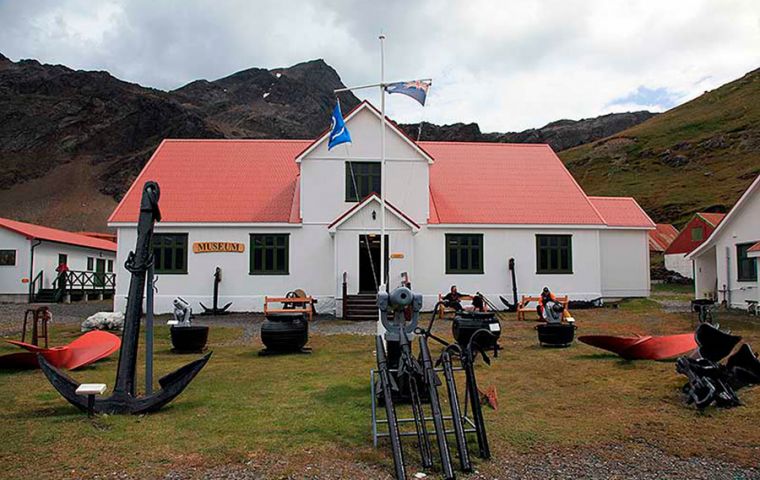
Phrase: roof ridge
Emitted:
{"points": [[484, 143], [231, 140], [601, 197]]}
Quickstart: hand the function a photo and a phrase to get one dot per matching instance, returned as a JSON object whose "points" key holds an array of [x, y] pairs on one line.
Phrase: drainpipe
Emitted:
{"points": [[31, 269], [728, 277]]}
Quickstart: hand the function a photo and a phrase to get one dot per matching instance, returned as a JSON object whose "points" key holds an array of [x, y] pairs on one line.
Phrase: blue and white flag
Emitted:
{"points": [[338, 132], [416, 89]]}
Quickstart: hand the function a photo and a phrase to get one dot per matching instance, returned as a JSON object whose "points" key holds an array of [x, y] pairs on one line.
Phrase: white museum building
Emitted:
{"points": [[277, 215]]}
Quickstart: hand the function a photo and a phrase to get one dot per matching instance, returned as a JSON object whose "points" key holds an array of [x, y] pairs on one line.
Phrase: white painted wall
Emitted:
{"points": [[741, 227], [501, 244], [11, 276], [318, 259], [705, 268], [624, 263], [323, 173], [677, 262], [310, 263]]}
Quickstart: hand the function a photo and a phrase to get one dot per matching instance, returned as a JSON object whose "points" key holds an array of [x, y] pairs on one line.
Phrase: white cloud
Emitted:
{"points": [[506, 65]]}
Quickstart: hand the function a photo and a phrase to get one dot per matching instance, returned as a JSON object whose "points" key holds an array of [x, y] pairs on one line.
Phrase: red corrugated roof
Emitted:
{"points": [[622, 212], [499, 183], [256, 181], [661, 237], [754, 248], [220, 181], [103, 236], [38, 232], [712, 218]]}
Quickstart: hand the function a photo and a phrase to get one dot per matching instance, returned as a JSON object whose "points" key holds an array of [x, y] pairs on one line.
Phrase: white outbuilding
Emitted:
{"points": [[30, 256], [725, 265], [277, 215]]}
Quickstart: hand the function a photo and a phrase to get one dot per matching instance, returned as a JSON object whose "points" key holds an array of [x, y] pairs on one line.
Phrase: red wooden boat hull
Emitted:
{"points": [[89, 348], [643, 347]]}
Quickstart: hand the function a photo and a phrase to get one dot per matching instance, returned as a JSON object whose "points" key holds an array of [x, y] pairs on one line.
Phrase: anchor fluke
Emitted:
{"points": [[172, 385]]}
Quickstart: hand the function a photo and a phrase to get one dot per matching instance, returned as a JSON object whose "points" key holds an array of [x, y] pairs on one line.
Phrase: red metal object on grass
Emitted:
{"points": [[89, 348], [646, 347]]}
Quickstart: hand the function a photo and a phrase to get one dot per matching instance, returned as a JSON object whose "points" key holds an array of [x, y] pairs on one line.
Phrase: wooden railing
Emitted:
{"points": [[80, 280], [35, 286], [345, 294]]}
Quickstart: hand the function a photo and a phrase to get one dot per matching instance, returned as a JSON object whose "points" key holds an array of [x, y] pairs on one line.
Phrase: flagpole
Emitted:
{"points": [[380, 328]]}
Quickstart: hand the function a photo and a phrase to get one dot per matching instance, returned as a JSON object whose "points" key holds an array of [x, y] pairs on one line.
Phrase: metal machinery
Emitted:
{"points": [[186, 337], [403, 378]]}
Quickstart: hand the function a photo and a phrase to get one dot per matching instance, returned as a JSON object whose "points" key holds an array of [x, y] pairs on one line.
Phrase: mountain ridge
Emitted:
{"points": [[72, 141]]}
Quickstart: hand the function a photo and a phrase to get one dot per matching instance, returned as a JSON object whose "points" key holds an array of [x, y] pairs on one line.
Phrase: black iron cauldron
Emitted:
{"points": [[285, 332], [466, 323], [556, 334], [190, 339], [698, 303]]}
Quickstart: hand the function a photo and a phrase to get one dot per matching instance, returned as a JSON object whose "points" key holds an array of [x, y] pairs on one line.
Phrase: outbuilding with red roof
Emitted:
{"points": [[693, 234], [30, 255], [308, 217]]}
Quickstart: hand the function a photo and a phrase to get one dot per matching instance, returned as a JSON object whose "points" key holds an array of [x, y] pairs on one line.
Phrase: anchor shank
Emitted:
{"points": [[137, 263]]}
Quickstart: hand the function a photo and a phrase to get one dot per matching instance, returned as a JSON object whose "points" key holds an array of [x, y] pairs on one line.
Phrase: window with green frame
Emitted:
{"points": [[269, 254], [746, 270], [697, 234], [170, 253], [464, 253], [90, 264], [109, 268], [362, 179], [554, 254], [7, 258]]}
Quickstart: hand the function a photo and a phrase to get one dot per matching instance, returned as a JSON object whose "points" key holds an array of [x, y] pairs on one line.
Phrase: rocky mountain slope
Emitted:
{"points": [[72, 141], [699, 156], [561, 134]]}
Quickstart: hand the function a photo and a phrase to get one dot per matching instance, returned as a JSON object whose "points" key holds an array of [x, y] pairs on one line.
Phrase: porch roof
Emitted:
{"points": [[367, 200]]}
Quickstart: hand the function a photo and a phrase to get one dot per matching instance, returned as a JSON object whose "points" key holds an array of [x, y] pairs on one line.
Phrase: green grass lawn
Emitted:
{"points": [[246, 408]]}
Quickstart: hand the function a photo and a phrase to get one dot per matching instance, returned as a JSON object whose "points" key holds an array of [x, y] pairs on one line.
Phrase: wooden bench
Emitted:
{"points": [[443, 310], [526, 300], [307, 305]]}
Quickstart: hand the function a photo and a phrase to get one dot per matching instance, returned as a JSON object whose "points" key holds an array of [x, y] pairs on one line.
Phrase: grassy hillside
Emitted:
{"points": [[699, 156]]}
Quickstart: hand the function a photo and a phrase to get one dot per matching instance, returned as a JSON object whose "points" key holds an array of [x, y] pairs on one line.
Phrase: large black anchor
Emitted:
{"points": [[124, 399]]}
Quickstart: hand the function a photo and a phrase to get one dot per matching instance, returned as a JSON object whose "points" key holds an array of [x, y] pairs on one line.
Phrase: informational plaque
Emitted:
{"points": [[215, 247]]}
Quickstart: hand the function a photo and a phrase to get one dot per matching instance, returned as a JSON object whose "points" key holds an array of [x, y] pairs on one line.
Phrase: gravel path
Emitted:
{"points": [[631, 461], [12, 316]]}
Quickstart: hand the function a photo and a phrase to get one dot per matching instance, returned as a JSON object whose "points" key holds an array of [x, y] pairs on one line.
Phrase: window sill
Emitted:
{"points": [[554, 273], [267, 274], [170, 273], [465, 273]]}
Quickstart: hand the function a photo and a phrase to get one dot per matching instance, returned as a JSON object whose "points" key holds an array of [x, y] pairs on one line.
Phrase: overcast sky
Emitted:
{"points": [[508, 65]]}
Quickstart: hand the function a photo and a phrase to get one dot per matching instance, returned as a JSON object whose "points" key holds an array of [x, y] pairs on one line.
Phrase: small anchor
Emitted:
{"points": [[124, 399], [216, 310]]}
